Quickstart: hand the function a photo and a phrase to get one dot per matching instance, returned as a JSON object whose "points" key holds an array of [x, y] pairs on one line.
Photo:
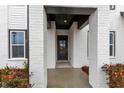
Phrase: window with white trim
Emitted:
{"points": [[17, 44], [112, 44]]}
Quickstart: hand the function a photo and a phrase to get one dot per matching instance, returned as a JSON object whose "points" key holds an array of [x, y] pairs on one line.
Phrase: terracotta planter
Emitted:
{"points": [[85, 69]]}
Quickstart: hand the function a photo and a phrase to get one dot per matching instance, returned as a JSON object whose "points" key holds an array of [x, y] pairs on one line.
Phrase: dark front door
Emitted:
{"points": [[62, 47]]}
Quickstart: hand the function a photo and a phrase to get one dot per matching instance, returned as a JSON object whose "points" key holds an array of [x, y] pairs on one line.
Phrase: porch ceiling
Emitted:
{"points": [[64, 21], [65, 16]]}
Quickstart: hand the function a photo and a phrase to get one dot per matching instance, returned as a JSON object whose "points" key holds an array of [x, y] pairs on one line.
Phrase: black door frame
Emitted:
{"points": [[57, 47]]}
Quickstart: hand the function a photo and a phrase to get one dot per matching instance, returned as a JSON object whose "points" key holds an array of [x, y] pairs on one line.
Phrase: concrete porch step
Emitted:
{"points": [[63, 65]]}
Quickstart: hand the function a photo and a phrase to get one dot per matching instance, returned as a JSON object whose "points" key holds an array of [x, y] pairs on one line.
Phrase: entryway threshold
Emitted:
{"points": [[63, 65]]}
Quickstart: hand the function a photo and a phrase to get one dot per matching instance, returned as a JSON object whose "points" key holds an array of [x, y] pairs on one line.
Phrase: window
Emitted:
{"points": [[17, 44], [112, 7], [112, 43]]}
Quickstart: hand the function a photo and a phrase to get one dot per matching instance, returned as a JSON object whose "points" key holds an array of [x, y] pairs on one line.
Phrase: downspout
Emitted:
{"points": [[27, 42]]}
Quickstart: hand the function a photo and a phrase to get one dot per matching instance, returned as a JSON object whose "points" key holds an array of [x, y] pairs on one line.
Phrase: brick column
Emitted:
{"points": [[99, 48], [36, 46]]}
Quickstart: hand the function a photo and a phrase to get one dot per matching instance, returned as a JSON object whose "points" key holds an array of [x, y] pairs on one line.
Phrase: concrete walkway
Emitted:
{"points": [[67, 78]]}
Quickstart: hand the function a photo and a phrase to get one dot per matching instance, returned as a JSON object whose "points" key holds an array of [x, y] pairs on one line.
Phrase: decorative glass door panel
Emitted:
{"points": [[62, 47]]}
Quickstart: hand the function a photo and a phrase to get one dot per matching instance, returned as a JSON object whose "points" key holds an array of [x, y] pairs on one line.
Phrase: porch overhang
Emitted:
{"points": [[84, 24], [60, 14], [69, 10]]}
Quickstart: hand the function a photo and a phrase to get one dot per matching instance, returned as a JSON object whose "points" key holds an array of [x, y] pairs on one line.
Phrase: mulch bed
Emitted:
{"points": [[14, 78], [85, 69]]}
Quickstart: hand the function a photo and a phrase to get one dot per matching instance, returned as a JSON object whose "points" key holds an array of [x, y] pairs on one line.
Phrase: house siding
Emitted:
{"points": [[5, 22], [17, 17]]}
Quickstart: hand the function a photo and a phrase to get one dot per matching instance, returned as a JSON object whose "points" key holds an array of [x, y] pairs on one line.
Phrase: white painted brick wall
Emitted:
{"points": [[51, 48], [36, 43], [71, 42], [80, 47], [116, 24], [99, 45], [99, 36], [102, 43], [3, 36], [93, 49], [45, 47]]}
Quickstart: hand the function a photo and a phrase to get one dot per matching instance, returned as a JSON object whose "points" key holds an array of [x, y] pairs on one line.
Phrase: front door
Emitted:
{"points": [[62, 47]]}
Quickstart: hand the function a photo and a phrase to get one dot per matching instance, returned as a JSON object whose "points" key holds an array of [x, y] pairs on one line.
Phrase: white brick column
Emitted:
{"points": [[51, 46], [36, 46], [93, 25], [99, 45], [103, 43], [3, 36]]}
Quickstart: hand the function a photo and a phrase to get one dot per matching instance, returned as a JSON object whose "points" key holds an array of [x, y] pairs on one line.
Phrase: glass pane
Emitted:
{"points": [[62, 44], [111, 38], [17, 38], [17, 51], [111, 50]]}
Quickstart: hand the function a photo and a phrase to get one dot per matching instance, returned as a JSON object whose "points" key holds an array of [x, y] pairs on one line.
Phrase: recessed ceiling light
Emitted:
{"points": [[65, 21]]}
